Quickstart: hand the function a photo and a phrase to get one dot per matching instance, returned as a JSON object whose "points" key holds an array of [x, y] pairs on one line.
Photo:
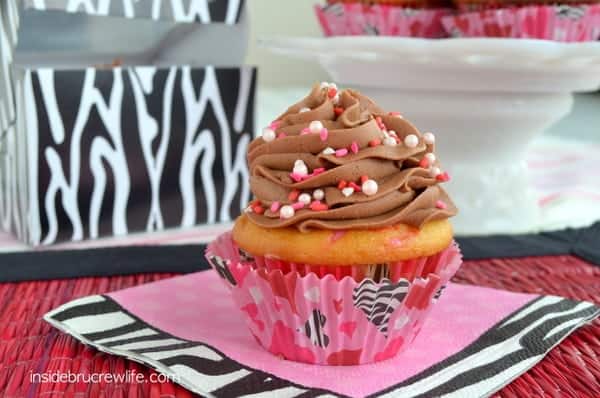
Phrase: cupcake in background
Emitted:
{"points": [[408, 18], [563, 21], [347, 244]]}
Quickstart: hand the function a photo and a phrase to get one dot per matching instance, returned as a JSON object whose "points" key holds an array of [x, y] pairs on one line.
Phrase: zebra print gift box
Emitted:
{"points": [[92, 151]]}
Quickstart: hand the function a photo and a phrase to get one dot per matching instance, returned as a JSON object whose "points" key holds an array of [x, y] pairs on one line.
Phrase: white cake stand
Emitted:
{"points": [[485, 99]]}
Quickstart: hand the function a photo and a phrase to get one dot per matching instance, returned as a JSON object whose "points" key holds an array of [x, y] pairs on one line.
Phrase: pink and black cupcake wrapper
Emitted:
{"points": [[327, 320], [563, 23]]}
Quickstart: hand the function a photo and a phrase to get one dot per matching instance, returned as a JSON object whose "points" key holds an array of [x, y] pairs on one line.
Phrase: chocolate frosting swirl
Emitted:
{"points": [[408, 192]]}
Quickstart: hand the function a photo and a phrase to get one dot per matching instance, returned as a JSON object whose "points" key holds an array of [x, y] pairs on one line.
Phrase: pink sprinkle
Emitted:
{"points": [[275, 207], [441, 205], [354, 147], [274, 124], [324, 133], [318, 170], [298, 205], [296, 177], [337, 235], [281, 135], [305, 131], [341, 152]]}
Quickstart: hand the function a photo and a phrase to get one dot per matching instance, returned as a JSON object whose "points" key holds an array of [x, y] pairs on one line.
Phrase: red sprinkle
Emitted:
{"points": [[444, 177], [338, 110], [258, 209], [363, 179], [354, 147], [424, 163], [441, 205], [316, 205], [342, 184], [374, 142], [354, 185], [331, 92], [293, 196]]}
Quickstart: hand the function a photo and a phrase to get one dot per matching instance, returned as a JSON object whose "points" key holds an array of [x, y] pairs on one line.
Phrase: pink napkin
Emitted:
{"points": [[475, 341]]}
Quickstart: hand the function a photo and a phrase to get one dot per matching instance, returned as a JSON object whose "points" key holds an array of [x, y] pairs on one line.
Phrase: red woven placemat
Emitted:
{"points": [[28, 344]]}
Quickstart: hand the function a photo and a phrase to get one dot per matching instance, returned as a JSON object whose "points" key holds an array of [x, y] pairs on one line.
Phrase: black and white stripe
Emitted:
{"points": [[379, 300], [314, 329], [222, 267], [502, 353], [101, 322], [204, 11], [571, 12], [336, 9]]}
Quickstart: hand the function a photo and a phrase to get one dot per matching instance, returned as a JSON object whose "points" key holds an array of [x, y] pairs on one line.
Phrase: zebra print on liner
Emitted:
{"points": [[378, 301], [314, 329]]}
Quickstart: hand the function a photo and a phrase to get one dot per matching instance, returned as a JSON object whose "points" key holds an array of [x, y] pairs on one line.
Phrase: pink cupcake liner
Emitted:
{"points": [[562, 23], [353, 19], [323, 320]]}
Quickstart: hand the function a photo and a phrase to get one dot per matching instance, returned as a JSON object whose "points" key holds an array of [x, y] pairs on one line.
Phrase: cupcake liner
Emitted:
{"points": [[562, 23], [352, 19], [329, 321]]}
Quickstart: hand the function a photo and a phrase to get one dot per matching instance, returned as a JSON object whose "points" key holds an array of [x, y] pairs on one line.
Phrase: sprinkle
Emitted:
{"points": [[331, 92], [333, 85], [274, 124], [304, 198], [354, 147], [328, 151], [370, 187], [336, 99], [281, 135], [389, 141], [379, 120], [340, 153], [342, 184], [305, 131], [363, 179], [268, 134], [441, 205], [424, 163], [318, 171], [297, 177], [258, 209], [315, 126], [275, 207], [355, 186], [324, 133], [347, 191], [411, 141], [429, 138], [298, 206], [305, 109], [396, 114], [318, 206], [374, 142], [430, 157], [300, 167], [392, 133], [287, 212], [338, 110], [435, 171], [444, 177], [293, 195], [248, 209], [318, 194]]}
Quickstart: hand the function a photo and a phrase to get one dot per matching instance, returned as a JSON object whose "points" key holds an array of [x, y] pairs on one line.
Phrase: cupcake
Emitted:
{"points": [[347, 243], [564, 21], [408, 18]]}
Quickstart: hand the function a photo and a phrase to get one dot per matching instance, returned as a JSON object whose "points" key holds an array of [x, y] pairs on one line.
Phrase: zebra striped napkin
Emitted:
{"points": [[475, 341]]}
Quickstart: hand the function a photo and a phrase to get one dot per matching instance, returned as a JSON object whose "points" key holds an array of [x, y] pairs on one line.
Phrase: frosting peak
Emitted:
{"points": [[336, 160]]}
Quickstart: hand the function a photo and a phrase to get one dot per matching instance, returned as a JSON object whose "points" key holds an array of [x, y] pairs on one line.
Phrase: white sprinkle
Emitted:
{"points": [[333, 85], [248, 209], [429, 138], [304, 198], [305, 109], [268, 134], [435, 171], [315, 126], [324, 85], [392, 132], [287, 212], [370, 187], [347, 191], [336, 99], [430, 157], [318, 194], [389, 141], [328, 151], [300, 168], [411, 141]]}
